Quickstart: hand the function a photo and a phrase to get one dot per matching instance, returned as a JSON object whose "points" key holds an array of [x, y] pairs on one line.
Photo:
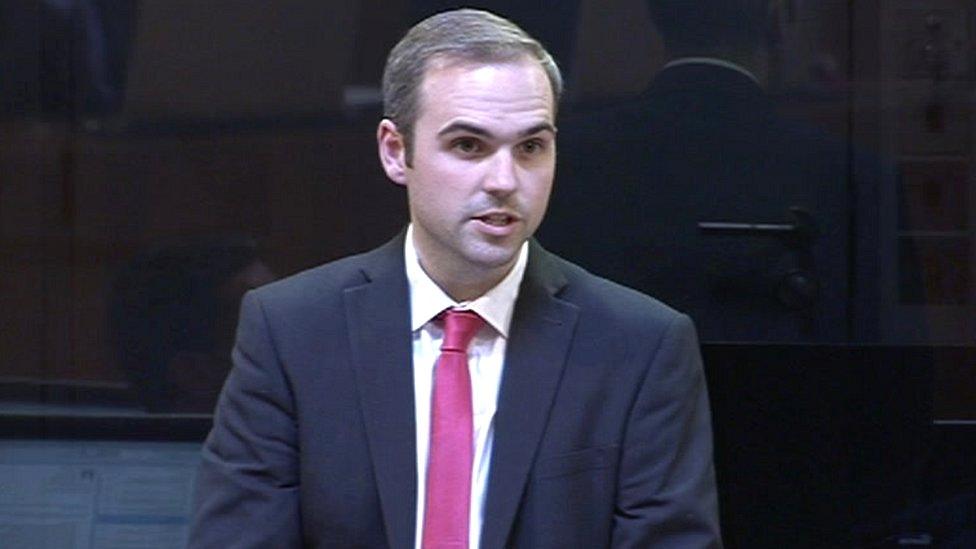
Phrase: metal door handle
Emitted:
{"points": [[799, 234]]}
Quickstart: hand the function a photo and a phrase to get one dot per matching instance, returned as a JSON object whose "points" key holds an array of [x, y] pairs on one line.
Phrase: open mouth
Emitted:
{"points": [[496, 219]]}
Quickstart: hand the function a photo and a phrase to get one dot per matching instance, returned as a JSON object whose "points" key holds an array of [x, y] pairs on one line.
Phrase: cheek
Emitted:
{"points": [[449, 183], [541, 188], [440, 169], [433, 203]]}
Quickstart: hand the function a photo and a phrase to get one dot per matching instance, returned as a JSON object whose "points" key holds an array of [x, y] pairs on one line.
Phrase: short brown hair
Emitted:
{"points": [[464, 34]]}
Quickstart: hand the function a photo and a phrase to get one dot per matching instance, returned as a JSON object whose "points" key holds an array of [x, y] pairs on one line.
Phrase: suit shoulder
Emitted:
{"points": [[613, 316], [612, 300], [314, 286]]}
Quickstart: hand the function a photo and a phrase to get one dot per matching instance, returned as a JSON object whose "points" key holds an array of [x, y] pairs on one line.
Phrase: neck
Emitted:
{"points": [[465, 285]]}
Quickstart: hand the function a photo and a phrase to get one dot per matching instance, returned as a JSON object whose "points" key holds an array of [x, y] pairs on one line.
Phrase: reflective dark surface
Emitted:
{"points": [[805, 193]]}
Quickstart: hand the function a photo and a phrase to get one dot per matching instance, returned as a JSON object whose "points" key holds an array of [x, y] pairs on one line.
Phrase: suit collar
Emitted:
{"points": [[541, 334], [543, 272], [377, 315]]}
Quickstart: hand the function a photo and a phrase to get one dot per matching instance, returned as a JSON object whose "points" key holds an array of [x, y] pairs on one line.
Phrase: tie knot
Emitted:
{"points": [[459, 329]]}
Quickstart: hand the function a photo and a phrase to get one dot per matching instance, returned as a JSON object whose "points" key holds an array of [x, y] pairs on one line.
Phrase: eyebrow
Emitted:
{"points": [[478, 130]]}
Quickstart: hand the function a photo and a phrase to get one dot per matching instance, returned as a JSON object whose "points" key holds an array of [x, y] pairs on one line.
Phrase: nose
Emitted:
{"points": [[502, 175]]}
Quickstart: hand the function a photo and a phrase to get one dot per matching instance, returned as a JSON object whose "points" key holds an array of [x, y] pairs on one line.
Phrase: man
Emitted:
{"points": [[585, 422]]}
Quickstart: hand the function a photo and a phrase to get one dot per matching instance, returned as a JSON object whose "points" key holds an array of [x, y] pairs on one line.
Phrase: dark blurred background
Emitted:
{"points": [[797, 175]]}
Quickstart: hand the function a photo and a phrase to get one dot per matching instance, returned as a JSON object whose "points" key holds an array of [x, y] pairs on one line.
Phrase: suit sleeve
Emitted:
{"points": [[247, 486], [666, 496]]}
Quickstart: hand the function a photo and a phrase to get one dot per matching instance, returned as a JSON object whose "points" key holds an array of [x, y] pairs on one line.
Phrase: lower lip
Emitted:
{"points": [[496, 230]]}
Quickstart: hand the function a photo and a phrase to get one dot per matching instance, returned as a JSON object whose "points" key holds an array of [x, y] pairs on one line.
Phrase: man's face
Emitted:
{"points": [[484, 155]]}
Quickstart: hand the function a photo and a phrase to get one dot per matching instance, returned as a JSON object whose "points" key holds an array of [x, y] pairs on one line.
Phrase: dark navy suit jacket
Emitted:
{"points": [[602, 433]]}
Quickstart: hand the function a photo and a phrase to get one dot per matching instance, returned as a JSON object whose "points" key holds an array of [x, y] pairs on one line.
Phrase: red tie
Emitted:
{"points": [[451, 441]]}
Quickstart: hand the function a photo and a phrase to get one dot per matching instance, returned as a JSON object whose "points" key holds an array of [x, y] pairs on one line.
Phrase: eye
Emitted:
{"points": [[532, 147], [467, 146]]}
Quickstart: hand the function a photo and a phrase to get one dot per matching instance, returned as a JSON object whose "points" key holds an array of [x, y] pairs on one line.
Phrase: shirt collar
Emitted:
{"points": [[427, 299], [712, 61]]}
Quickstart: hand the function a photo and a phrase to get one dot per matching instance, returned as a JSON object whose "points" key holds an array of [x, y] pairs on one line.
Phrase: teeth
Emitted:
{"points": [[496, 219]]}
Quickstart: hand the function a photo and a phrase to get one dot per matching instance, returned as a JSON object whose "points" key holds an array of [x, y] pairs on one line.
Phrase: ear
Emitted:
{"points": [[393, 152]]}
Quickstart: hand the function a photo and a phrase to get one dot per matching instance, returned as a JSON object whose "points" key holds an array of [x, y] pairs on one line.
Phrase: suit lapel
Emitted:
{"points": [[379, 330], [540, 336]]}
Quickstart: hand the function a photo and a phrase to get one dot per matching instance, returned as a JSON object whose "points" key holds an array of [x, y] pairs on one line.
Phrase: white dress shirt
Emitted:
{"points": [[486, 356]]}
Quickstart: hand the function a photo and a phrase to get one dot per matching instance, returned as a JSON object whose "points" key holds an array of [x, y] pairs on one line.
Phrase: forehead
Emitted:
{"points": [[486, 91]]}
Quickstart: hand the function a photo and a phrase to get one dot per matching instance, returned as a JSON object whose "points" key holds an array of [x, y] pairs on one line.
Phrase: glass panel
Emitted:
{"points": [[796, 175]]}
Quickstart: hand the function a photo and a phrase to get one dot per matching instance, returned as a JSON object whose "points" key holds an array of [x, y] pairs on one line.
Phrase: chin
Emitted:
{"points": [[494, 258]]}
